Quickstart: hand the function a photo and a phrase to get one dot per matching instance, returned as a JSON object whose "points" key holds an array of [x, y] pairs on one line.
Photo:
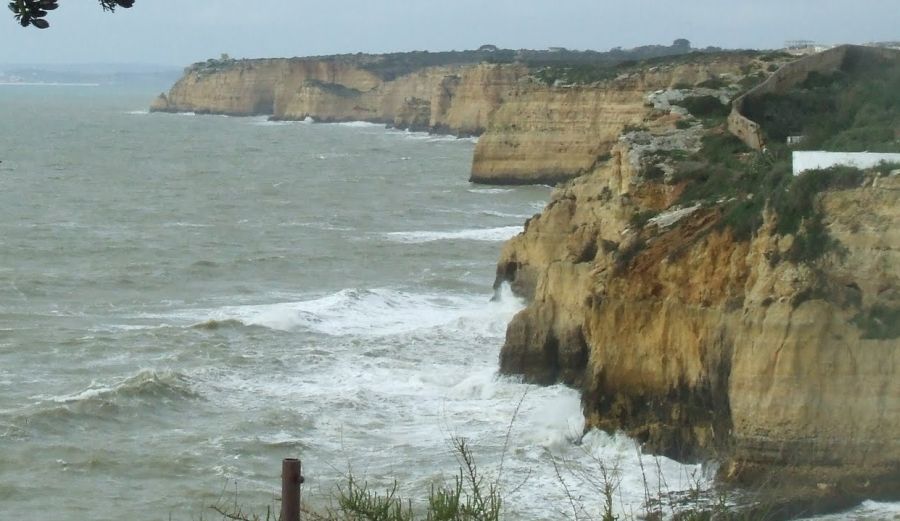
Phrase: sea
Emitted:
{"points": [[186, 300]]}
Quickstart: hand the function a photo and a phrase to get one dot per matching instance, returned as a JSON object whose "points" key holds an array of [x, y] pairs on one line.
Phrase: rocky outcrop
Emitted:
{"points": [[701, 345], [456, 99], [531, 132], [544, 134]]}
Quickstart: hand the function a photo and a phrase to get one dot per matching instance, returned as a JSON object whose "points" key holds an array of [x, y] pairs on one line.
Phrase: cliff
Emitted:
{"points": [[532, 131], [789, 76], [757, 327], [544, 134], [456, 99]]}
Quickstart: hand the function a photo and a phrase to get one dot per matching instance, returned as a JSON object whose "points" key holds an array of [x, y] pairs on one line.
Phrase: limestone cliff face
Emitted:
{"points": [[807, 382], [545, 134], [532, 133], [251, 87], [700, 345], [452, 99]]}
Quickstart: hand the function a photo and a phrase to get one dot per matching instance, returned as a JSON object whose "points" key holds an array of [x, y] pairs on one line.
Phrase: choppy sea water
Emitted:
{"points": [[186, 300]]}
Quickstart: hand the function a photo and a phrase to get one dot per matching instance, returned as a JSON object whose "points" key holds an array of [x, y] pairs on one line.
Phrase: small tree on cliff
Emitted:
{"points": [[34, 12]]}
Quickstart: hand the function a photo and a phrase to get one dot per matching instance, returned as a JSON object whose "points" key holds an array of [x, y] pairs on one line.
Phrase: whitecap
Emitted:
{"points": [[347, 312], [360, 124], [866, 511], [499, 234], [138, 112], [489, 190], [494, 213], [365, 312], [182, 224], [146, 383]]}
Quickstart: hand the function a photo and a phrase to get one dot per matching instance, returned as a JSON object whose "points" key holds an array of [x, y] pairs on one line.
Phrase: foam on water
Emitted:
{"points": [[498, 234], [249, 359], [358, 312], [867, 511], [359, 124], [494, 213], [491, 191]]}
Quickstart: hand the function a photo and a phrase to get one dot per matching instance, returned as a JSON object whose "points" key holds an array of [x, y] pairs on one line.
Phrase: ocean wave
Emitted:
{"points": [[167, 385], [490, 190], [360, 124], [265, 122], [428, 137], [213, 325], [349, 311], [493, 213], [181, 224], [147, 389], [368, 313], [138, 112], [476, 234]]}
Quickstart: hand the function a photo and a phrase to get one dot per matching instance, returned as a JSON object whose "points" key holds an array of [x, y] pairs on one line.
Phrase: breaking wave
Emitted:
{"points": [[477, 234], [166, 385], [359, 312]]}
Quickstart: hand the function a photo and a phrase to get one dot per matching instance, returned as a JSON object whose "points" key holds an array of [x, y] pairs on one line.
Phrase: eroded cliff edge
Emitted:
{"points": [[537, 125], [714, 307]]}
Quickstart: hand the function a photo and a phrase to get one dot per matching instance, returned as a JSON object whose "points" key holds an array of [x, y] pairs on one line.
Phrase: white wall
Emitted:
{"points": [[812, 160]]}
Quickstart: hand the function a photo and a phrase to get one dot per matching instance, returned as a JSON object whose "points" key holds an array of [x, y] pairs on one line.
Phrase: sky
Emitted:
{"points": [[180, 32]]}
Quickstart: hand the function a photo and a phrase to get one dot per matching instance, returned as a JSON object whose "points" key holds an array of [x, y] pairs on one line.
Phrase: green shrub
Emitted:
{"points": [[713, 83], [334, 88], [853, 109], [705, 106], [797, 203], [639, 219]]}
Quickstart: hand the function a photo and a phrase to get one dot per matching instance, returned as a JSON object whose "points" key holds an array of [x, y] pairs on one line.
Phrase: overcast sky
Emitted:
{"points": [[178, 32]]}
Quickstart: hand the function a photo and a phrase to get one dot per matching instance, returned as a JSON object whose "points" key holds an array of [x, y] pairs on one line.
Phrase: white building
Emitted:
{"points": [[812, 160]]}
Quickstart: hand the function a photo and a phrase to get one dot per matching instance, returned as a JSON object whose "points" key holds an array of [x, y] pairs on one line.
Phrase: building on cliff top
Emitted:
{"points": [[812, 160]]}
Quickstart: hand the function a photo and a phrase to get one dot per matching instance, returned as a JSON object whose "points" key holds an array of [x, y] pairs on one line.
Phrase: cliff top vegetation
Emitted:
{"points": [[582, 66], [854, 109]]}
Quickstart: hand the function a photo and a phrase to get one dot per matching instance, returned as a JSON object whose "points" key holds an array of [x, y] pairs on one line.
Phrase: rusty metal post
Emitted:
{"points": [[290, 489]]}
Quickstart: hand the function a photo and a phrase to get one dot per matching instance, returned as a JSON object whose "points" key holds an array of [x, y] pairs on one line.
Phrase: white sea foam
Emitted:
{"points": [[372, 312], [490, 190], [182, 224], [360, 124], [410, 134], [476, 234], [493, 213], [867, 511], [138, 112]]}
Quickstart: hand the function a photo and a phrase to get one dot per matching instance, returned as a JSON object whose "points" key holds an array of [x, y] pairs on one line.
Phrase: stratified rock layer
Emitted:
{"points": [[531, 133], [703, 346]]}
